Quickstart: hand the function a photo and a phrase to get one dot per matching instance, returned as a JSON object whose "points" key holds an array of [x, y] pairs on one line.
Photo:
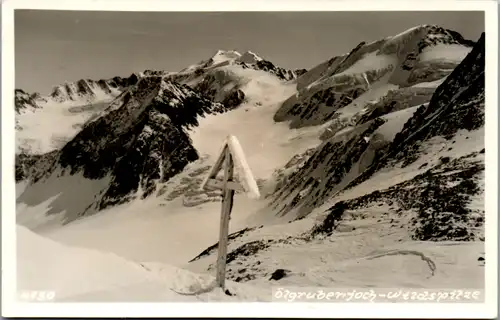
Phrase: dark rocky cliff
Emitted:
{"points": [[268, 66], [326, 170]]}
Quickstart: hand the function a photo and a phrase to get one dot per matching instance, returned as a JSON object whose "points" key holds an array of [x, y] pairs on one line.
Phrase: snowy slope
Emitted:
{"points": [[97, 276], [370, 247]]}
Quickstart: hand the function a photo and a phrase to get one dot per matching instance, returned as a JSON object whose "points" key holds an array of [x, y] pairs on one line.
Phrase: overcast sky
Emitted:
{"points": [[57, 46]]}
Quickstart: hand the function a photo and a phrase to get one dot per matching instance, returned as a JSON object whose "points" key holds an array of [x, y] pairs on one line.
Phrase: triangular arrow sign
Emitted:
{"points": [[247, 182]]}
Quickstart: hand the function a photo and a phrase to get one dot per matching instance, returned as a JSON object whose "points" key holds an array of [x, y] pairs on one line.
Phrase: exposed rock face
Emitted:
{"points": [[137, 144], [234, 98], [279, 274], [30, 165], [395, 100], [90, 90], [439, 197], [268, 66], [155, 73], [221, 86], [299, 72], [429, 71], [419, 55], [317, 106], [24, 100]]}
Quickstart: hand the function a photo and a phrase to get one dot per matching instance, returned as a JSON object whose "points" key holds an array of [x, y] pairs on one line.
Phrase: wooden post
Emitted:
{"points": [[231, 154], [227, 204]]}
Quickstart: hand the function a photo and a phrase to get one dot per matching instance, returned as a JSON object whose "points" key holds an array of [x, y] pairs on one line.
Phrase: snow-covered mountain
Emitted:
{"points": [[396, 139], [75, 102], [248, 59], [370, 165], [222, 76], [417, 58]]}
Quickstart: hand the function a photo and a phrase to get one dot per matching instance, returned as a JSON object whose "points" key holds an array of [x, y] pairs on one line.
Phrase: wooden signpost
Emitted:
{"points": [[231, 155]]}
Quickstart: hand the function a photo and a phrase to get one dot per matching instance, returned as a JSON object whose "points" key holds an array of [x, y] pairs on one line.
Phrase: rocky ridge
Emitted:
{"points": [[81, 91]]}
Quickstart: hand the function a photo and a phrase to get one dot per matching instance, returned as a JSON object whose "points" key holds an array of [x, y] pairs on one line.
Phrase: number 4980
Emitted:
{"points": [[37, 295]]}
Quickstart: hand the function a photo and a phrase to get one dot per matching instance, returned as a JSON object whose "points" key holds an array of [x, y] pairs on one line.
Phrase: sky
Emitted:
{"points": [[53, 47]]}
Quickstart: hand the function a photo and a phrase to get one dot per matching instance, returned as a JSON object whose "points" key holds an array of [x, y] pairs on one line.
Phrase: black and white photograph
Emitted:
{"points": [[335, 157]]}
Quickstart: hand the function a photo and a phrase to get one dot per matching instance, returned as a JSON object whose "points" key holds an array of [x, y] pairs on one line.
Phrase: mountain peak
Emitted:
{"points": [[249, 57], [431, 35], [224, 52], [224, 55]]}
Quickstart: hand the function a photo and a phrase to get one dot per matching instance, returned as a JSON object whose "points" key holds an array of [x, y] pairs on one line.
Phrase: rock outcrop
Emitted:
{"points": [[24, 100]]}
